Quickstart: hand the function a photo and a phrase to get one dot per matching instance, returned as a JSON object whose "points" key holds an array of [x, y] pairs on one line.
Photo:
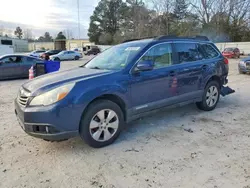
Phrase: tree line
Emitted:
{"points": [[221, 20], [27, 35]]}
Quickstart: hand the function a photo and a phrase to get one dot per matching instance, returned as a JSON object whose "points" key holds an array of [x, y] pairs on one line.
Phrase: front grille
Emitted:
{"points": [[248, 64], [22, 100], [23, 97]]}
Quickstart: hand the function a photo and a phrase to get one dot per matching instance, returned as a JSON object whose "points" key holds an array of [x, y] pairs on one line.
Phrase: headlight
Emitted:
{"points": [[52, 96]]}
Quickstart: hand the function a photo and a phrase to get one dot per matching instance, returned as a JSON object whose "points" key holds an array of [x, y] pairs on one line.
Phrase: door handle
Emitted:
{"points": [[172, 73]]}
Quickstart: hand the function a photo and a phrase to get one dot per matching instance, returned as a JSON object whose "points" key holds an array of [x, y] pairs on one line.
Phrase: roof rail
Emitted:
{"points": [[130, 40], [197, 37], [200, 37], [165, 37]]}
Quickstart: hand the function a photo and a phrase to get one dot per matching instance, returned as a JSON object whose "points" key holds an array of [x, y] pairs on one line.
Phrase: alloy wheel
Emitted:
{"points": [[212, 96], [104, 125]]}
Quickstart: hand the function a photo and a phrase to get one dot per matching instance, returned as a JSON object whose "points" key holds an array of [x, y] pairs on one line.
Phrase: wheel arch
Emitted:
{"points": [[214, 78], [111, 97]]}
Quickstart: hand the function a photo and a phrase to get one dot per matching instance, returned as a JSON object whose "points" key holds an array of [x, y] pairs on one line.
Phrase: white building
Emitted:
{"points": [[18, 45]]}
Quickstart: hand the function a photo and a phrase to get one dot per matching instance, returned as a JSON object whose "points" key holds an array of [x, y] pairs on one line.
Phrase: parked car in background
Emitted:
{"points": [[93, 51], [231, 53], [242, 52], [16, 66], [66, 55], [244, 66], [48, 53], [123, 83], [36, 53]]}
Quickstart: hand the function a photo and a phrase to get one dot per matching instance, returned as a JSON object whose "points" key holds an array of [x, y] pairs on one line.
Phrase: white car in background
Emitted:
{"points": [[37, 53], [66, 55]]}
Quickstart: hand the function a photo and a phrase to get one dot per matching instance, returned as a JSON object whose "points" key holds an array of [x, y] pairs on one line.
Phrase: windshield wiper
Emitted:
{"points": [[95, 67]]}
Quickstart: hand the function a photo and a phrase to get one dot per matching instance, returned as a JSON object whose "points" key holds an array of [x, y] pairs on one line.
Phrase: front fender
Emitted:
{"points": [[88, 95]]}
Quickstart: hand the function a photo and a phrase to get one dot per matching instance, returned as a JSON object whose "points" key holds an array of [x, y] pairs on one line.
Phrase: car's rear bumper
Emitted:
{"points": [[224, 80], [42, 124]]}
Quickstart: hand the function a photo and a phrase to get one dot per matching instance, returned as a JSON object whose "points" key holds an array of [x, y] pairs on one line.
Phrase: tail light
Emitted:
{"points": [[226, 61]]}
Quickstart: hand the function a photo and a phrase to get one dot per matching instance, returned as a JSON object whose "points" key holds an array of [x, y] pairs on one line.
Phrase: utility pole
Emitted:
{"points": [[79, 29]]}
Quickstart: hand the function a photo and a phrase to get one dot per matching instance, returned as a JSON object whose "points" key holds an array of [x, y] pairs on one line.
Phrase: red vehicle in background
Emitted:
{"points": [[231, 53], [48, 53]]}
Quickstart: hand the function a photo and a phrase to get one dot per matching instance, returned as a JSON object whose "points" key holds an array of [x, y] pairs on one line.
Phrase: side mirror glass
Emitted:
{"points": [[145, 65]]}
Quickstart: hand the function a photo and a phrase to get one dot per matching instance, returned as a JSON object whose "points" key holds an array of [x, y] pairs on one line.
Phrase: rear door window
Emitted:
{"points": [[209, 51], [31, 60], [188, 52]]}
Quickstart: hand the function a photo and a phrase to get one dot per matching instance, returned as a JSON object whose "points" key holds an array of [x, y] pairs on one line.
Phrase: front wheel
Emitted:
{"points": [[210, 96], [77, 57], [102, 123]]}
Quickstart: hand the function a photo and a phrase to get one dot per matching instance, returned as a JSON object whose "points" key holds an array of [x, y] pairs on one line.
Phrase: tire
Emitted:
{"points": [[77, 57], [97, 115], [205, 104], [240, 72]]}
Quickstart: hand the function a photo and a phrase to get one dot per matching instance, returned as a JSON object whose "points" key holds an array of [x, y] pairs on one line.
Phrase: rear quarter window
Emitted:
{"points": [[209, 51]]}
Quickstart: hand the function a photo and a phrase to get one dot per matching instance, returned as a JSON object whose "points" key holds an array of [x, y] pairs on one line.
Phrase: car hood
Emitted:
{"points": [[246, 59], [52, 80]]}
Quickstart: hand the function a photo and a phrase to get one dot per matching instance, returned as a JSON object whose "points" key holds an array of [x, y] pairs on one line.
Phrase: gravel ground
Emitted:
{"points": [[181, 147]]}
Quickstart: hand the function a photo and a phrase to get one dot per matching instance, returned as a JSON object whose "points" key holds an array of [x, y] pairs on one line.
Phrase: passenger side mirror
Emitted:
{"points": [[146, 65]]}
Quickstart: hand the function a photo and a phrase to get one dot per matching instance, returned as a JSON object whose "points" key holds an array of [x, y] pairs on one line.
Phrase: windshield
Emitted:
{"points": [[228, 50], [62, 52], [117, 57]]}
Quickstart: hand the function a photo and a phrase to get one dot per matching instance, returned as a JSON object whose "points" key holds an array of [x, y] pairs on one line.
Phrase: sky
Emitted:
{"points": [[47, 15]]}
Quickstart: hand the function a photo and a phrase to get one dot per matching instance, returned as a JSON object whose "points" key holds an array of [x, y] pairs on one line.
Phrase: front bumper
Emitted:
{"points": [[244, 68], [46, 122]]}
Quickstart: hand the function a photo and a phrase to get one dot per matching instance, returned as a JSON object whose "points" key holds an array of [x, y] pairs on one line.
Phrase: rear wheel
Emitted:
{"points": [[210, 96], [102, 123]]}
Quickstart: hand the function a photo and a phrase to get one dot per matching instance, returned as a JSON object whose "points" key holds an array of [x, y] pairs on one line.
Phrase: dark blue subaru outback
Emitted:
{"points": [[121, 84]]}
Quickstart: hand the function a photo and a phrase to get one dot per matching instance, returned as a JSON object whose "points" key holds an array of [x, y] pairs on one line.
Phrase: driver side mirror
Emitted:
{"points": [[146, 65]]}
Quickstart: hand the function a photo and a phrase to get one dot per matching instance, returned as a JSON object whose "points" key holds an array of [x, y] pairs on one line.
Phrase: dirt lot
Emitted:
{"points": [[156, 151]]}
